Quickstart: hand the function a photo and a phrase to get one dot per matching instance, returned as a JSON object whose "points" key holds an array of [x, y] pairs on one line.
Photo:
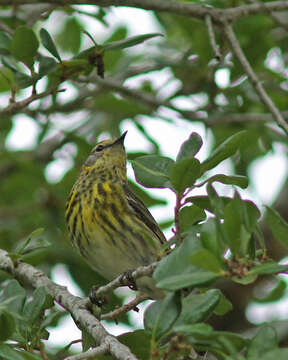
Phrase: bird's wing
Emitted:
{"points": [[143, 213]]}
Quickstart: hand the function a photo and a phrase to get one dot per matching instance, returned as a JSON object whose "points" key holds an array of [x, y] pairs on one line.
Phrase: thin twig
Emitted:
{"points": [[228, 31], [212, 38], [122, 281], [112, 315], [99, 350], [18, 105]]}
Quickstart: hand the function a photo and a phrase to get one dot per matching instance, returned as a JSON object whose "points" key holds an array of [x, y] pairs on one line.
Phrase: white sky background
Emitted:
{"points": [[264, 184]]}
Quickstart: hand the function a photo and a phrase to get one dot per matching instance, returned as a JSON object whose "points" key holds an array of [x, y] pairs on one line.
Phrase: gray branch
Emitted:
{"points": [[83, 318]]}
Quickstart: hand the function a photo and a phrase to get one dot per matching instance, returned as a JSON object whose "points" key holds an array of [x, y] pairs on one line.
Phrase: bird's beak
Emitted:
{"points": [[120, 140]]}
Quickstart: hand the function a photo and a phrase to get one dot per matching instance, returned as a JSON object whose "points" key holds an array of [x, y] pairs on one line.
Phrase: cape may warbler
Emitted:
{"points": [[110, 226]]}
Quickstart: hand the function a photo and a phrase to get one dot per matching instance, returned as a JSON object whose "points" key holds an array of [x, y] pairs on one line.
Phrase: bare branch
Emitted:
{"points": [[120, 281], [235, 46], [75, 305], [112, 315], [100, 350], [18, 105], [180, 8], [212, 38]]}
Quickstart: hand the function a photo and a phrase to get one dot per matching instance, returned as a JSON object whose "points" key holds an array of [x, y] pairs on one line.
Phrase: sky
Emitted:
{"points": [[171, 136]]}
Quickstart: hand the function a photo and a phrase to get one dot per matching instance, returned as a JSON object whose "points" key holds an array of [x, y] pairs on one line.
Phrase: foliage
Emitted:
{"points": [[74, 87]]}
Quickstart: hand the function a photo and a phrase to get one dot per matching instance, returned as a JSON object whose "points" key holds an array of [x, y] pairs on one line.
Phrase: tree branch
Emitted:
{"points": [[180, 8], [92, 353], [75, 305], [132, 305], [122, 281], [18, 105], [236, 48]]}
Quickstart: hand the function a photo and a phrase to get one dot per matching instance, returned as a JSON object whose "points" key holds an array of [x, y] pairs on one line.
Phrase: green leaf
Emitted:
{"points": [[87, 341], [6, 79], [206, 260], [204, 202], [40, 302], [245, 280], [279, 354], [194, 329], [152, 170], [189, 216], [48, 43], [7, 325], [184, 173], [251, 215], [190, 147], [224, 306], [264, 341], [8, 353], [46, 65], [268, 268], [177, 282], [211, 238], [16, 293], [131, 41], [5, 42], [139, 343], [237, 180], [197, 308], [275, 294], [177, 263], [223, 151], [278, 225], [32, 243], [237, 235], [160, 316], [24, 45], [69, 37], [217, 204]]}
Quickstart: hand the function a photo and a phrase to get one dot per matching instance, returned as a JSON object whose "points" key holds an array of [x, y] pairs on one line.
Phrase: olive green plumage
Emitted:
{"points": [[111, 227]]}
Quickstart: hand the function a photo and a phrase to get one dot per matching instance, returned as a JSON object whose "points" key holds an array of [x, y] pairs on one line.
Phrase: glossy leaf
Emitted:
{"points": [[40, 301], [5, 41], [24, 45], [189, 216], [184, 173], [131, 41], [8, 353], [16, 296], [264, 341], [177, 264], [237, 180], [7, 325], [6, 79], [177, 282], [190, 147], [269, 268], [152, 170], [206, 260], [197, 308], [46, 65], [161, 315], [223, 151], [278, 225], [223, 306], [49, 44]]}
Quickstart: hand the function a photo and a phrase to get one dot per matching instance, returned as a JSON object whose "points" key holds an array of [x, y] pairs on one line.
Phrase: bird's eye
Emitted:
{"points": [[99, 148]]}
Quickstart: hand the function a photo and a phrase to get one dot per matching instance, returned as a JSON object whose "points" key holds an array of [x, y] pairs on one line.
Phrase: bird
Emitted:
{"points": [[109, 225]]}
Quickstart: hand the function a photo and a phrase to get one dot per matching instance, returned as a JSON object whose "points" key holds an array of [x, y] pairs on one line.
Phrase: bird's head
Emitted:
{"points": [[106, 155]]}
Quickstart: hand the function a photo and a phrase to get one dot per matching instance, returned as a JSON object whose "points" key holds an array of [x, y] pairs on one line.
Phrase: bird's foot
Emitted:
{"points": [[128, 277]]}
